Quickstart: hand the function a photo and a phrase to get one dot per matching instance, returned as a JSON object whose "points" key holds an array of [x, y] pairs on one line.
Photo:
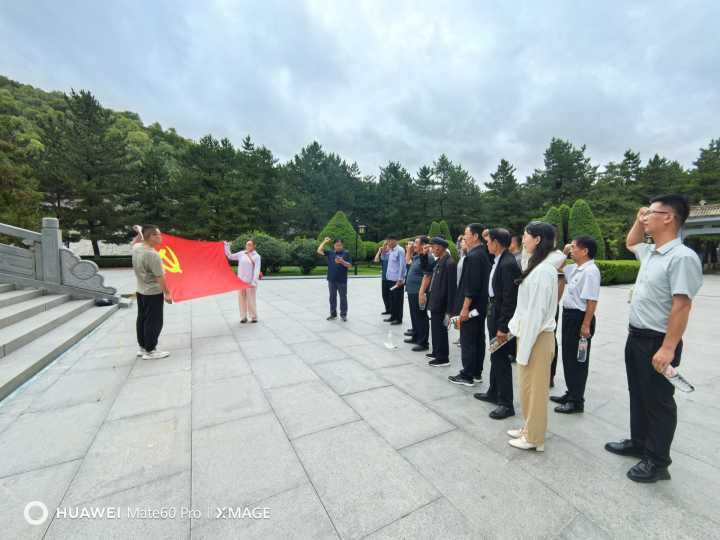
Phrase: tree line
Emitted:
{"points": [[98, 171]]}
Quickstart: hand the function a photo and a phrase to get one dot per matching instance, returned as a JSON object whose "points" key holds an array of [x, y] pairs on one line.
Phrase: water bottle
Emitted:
{"points": [[389, 341], [454, 322], [582, 350], [495, 343], [677, 380]]}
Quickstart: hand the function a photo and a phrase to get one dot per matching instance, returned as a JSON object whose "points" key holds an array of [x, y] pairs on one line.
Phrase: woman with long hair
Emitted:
{"points": [[533, 324]]}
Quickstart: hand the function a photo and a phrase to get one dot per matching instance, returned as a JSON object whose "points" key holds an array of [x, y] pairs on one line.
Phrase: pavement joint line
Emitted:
{"points": [[146, 413], [292, 445], [231, 420], [365, 390], [430, 438], [304, 435], [84, 455], [425, 505], [44, 467]]}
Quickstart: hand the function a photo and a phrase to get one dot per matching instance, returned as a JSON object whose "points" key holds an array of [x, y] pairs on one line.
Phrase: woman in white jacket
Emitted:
{"points": [[533, 324], [249, 271]]}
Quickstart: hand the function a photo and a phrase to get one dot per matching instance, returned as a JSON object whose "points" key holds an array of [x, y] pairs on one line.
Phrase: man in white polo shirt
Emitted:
{"points": [[670, 276], [582, 290]]}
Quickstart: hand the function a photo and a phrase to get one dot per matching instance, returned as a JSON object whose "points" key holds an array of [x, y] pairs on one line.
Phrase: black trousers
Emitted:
{"points": [[440, 345], [397, 300], [553, 366], [149, 320], [501, 387], [420, 322], [472, 346], [386, 285], [653, 413], [576, 373]]}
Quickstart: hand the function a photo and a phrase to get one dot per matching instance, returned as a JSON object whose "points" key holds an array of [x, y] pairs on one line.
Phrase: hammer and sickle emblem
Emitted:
{"points": [[170, 260]]}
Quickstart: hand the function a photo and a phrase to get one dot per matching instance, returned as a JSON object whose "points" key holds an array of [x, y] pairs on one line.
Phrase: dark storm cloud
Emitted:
{"points": [[402, 81]]}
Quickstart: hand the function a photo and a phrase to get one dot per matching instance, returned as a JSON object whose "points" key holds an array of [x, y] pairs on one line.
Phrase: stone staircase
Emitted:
{"points": [[36, 327]]}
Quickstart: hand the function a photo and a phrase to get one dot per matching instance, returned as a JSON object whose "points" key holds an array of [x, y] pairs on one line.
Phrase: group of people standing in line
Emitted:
{"points": [[515, 293]]}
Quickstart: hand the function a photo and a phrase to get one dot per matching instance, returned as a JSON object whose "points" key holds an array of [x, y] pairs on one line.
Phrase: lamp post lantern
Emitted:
{"points": [[359, 229]]}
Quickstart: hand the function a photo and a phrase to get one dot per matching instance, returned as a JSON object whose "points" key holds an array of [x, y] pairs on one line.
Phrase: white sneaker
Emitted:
{"points": [[155, 355], [515, 433], [141, 352], [523, 444]]}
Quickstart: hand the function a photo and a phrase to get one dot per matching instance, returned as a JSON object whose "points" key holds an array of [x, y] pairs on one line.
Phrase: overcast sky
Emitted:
{"points": [[390, 80]]}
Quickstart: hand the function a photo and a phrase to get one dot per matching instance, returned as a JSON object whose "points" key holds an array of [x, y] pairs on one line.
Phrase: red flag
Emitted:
{"points": [[194, 269]]}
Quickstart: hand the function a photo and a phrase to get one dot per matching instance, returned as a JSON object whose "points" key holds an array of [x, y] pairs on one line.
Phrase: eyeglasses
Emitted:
{"points": [[651, 212]]}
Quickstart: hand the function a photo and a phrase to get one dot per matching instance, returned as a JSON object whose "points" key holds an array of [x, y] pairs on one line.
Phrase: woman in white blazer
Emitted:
{"points": [[533, 324]]}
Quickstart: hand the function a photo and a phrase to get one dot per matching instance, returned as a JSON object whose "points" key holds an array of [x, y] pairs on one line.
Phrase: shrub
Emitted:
{"points": [[303, 253], [339, 226], [582, 221], [370, 249], [440, 228], [274, 252], [618, 272], [110, 261], [554, 217]]}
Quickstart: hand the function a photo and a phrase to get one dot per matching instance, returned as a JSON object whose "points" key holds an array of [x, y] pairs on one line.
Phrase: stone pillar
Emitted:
{"points": [[51, 243]]}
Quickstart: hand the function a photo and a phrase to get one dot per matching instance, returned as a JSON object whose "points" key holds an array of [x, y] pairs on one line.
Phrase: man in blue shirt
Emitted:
{"points": [[382, 257], [338, 262], [396, 270]]}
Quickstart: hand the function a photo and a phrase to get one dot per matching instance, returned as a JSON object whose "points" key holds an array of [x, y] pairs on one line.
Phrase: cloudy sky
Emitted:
{"points": [[390, 80]]}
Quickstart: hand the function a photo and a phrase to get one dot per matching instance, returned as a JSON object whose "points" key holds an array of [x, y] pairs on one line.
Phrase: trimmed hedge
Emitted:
{"points": [[274, 252], [110, 261], [582, 222], [554, 217], [303, 253], [339, 226], [618, 272]]}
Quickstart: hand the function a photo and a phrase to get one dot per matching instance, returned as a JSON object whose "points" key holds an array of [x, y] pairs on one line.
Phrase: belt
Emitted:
{"points": [[645, 333]]}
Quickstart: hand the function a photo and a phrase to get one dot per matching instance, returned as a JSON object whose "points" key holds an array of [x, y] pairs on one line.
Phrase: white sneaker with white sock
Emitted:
{"points": [[141, 352], [155, 355]]}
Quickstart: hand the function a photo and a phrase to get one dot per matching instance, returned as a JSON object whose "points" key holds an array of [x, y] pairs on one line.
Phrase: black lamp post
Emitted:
{"points": [[359, 229]]}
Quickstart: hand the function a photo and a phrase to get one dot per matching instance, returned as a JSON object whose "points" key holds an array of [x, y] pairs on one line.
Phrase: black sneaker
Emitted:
{"points": [[409, 332], [477, 378], [331, 318], [439, 363], [409, 340], [459, 379], [430, 355], [418, 348]]}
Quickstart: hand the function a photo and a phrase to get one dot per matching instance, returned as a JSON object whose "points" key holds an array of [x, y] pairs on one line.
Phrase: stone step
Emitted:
{"points": [[22, 310], [11, 297], [5, 287], [21, 333], [19, 366]]}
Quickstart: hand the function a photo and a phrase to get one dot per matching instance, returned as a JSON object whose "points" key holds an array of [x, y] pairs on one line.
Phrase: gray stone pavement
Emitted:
{"points": [[336, 435]]}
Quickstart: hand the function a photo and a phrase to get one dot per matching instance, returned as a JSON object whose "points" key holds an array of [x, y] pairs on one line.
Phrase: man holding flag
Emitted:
{"points": [[152, 291]]}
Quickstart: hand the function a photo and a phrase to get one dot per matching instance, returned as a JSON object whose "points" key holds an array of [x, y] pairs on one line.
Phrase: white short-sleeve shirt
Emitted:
{"points": [[582, 284]]}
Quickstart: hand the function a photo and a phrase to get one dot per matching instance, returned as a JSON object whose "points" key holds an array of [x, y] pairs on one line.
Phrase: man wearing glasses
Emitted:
{"points": [[670, 276]]}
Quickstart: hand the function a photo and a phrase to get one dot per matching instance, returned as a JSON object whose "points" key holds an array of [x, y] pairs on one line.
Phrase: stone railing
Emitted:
{"points": [[45, 264]]}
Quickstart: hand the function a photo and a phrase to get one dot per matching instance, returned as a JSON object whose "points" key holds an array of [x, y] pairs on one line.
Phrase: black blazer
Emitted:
{"points": [[474, 281], [505, 289], [443, 282]]}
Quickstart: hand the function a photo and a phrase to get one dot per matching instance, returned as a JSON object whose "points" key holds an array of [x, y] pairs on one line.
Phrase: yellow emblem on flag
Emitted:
{"points": [[170, 260]]}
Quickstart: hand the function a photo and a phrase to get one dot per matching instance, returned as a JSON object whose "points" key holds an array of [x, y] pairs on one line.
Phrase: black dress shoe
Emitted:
{"points": [[418, 348], [648, 472], [559, 399], [395, 323], [430, 355], [385, 313], [409, 340], [409, 332], [502, 412], [484, 396], [626, 447], [389, 319], [570, 408]]}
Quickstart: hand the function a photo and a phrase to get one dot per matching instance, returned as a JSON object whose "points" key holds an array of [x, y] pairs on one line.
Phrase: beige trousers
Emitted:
{"points": [[246, 298], [534, 382]]}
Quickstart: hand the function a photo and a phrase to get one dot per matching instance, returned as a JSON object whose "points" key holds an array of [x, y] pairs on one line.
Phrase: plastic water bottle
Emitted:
{"points": [[582, 350], [677, 380], [455, 321], [389, 342], [495, 343]]}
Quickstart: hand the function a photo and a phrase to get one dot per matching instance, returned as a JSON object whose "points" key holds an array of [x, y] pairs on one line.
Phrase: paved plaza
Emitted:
{"points": [[320, 431]]}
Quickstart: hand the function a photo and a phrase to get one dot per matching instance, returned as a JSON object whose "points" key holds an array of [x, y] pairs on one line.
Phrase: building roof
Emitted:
{"points": [[706, 210]]}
